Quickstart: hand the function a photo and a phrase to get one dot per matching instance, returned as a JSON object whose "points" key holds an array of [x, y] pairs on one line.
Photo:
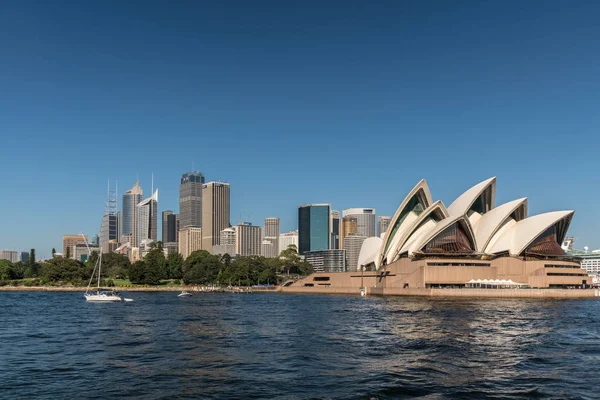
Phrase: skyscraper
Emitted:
{"points": [[131, 199], [314, 227], [365, 218], [288, 239], [119, 225], [215, 212], [352, 244], [147, 219], [248, 239], [169, 227], [272, 236], [383, 224], [349, 226], [190, 199], [335, 229], [109, 226], [190, 240]]}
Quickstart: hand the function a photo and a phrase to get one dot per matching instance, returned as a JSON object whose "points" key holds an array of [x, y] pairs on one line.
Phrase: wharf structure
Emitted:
{"points": [[433, 250]]}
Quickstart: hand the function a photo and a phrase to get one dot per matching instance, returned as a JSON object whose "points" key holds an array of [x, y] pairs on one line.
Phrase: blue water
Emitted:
{"points": [[55, 345]]}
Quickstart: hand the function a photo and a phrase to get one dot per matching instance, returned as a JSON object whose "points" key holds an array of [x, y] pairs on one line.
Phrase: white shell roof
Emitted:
{"points": [[439, 227], [490, 222], [422, 185], [523, 233], [462, 204], [492, 232], [400, 240], [369, 250]]}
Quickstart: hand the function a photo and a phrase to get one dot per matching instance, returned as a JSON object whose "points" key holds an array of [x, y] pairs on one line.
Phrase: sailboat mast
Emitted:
{"points": [[99, 268]]}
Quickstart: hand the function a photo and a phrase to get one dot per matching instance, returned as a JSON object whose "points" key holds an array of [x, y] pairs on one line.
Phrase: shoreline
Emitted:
{"points": [[195, 289], [378, 292]]}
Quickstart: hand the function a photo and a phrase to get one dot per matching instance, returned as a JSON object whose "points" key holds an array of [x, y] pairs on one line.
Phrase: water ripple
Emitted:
{"points": [[55, 345]]}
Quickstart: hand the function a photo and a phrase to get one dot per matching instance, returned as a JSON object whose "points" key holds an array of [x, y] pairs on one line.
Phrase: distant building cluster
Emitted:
{"points": [[328, 239]]}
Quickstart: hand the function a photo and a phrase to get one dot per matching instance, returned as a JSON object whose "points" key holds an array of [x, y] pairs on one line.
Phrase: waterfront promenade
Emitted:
{"points": [[371, 291]]}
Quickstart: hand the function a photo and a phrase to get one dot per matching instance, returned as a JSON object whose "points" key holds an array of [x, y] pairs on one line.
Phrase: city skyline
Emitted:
{"points": [[275, 103], [138, 188]]}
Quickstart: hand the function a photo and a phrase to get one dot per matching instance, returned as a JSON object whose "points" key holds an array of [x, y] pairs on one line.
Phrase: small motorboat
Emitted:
{"points": [[184, 294]]}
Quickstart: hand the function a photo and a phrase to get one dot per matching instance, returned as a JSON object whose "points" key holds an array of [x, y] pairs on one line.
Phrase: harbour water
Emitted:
{"points": [[54, 345]]}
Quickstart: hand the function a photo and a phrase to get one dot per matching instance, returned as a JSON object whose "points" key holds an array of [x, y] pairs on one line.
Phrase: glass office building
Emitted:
{"points": [[314, 229]]}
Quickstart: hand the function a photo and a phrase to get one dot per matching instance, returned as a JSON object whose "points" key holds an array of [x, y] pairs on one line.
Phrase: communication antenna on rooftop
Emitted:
{"points": [[111, 201]]}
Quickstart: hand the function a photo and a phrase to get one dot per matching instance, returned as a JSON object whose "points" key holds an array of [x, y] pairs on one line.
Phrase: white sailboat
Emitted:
{"points": [[99, 295]]}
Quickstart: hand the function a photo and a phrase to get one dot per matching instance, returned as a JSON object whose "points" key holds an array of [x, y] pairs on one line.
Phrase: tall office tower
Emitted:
{"points": [[131, 199], [10, 255], [169, 227], [314, 227], [335, 229], [147, 219], [383, 225], [248, 239], [109, 226], [215, 212], [190, 240], [73, 240], [352, 245], [349, 226], [272, 235], [365, 218], [119, 225], [288, 239], [190, 199], [24, 256]]}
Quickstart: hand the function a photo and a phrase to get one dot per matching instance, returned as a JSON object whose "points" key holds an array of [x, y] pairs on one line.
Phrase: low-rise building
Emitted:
{"points": [[332, 260], [10, 255]]}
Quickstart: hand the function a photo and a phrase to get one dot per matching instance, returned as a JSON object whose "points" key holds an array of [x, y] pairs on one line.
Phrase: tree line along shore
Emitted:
{"points": [[154, 271]]}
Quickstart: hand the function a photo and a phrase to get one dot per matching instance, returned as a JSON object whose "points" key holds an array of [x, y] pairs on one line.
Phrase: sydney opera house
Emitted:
{"points": [[471, 243]]}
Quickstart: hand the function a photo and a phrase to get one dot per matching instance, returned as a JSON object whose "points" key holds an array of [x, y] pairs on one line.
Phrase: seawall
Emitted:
{"points": [[482, 293]]}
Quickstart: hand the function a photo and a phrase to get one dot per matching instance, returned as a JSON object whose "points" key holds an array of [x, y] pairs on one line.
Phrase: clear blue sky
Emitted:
{"points": [[348, 102]]}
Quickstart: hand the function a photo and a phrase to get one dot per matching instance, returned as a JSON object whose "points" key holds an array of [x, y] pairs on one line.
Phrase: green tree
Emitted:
{"points": [[175, 266], [63, 270], [53, 252], [226, 260], [290, 260], [7, 271], [137, 272], [68, 253], [115, 265], [201, 267], [19, 269], [154, 264], [32, 269], [267, 276]]}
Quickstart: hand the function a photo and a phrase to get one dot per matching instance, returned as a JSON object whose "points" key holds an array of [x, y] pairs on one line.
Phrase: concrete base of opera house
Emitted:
{"points": [[446, 277], [489, 293]]}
